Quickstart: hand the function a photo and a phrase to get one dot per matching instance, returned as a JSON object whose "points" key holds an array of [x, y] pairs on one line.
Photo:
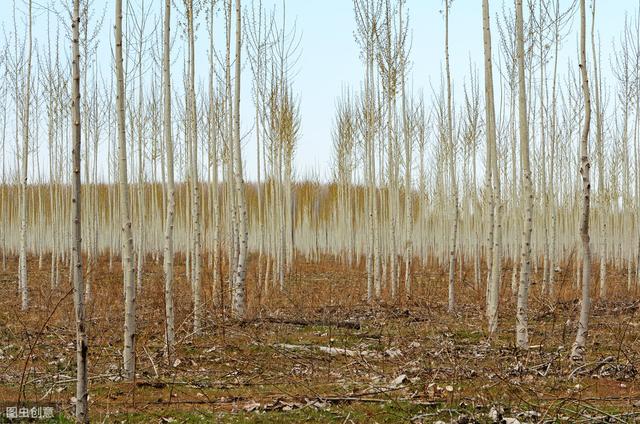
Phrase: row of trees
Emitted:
{"points": [[85, 117], [178, 158], [383, 40]]}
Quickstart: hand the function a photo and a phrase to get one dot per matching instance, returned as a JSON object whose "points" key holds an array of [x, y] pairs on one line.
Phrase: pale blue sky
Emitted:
{"points": [[329, 58]]}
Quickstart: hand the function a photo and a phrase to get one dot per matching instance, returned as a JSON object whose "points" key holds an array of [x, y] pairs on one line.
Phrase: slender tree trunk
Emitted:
{"points": [[522, 336], [408, 152], [231, 213], [169, 338], [494, 184], [452, 168], [128, 353], [213, 155], [579, 346], [553, 154], [543, 148], [238, 304], [82, 394], [22, 272], [193, 168], [602, 203], [140, 185]]}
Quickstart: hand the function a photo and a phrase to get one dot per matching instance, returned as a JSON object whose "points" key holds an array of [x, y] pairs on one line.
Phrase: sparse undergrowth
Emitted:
{"points": [[318, 353]]}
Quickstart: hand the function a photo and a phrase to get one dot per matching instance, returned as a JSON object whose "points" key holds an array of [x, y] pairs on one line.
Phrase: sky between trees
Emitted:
{"points": [[329, 58]]}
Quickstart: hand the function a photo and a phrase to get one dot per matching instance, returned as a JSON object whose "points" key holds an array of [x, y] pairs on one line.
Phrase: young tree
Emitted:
{"points": [[344, 145], [367, 13], [193, 169], [238, 300], [522, 336], [560, 20], [452, 163], [408, 128], [82, 394], [22, 272], [578, 349], [126, 236], [171, 197], [495, 224], [600, 153], [257, 42], [390, 52], [139, 122]]}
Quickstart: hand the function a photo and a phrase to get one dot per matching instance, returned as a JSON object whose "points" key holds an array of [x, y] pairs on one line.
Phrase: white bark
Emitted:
{"points": [[128, 353], [22, 266], [193, 174], [171, 201], [496, 206], [579, 346], [238, 300], [522, 327], [452, 168]]}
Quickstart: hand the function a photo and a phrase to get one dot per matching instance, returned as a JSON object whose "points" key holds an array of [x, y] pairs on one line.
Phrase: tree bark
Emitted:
{"points": [[522, 336], [193, 174], [579, 346], [169, 339], [452, 168], [82, 394], [238, 301], [494, 184], [22, 272], [128, 353]]}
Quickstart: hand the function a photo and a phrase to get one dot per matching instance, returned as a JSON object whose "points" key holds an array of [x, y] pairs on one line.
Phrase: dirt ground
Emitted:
{"points": [[318, 353]]}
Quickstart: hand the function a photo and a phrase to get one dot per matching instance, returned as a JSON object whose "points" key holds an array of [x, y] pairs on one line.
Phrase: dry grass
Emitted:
{"points": [[252, 369]]}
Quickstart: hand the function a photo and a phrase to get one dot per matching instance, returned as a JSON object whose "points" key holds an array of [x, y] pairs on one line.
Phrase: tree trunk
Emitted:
{"points": [[22, 272], [82, 394], [238, 301], [128, 353], [522, 336], [193, 174], [494, 184], [579, 346], [452, 168], [169, 339]]}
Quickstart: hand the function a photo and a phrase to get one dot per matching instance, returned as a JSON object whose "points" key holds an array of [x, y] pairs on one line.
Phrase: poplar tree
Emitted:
{"points": [[126, 236], [170, 199], [238, 298], [22, 266], [192, 119], [82, 394], [452, 164], [367, 14], [579, 346], [495, 222], [522, 328]]}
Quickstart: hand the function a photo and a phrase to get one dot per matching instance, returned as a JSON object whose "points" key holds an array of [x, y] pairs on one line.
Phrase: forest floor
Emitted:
{"points": [[318, 353]]}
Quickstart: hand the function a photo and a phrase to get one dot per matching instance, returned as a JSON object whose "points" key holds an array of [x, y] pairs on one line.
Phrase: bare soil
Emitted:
{"points": [[318, 353]]}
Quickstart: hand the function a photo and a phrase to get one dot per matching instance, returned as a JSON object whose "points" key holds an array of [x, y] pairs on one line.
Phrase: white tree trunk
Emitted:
{"points": [[579, 346], [128, 353], [171, 200], [238, 301], [496, 224], [452, 168], [522, 327], [193, 174], [22, 271]]}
